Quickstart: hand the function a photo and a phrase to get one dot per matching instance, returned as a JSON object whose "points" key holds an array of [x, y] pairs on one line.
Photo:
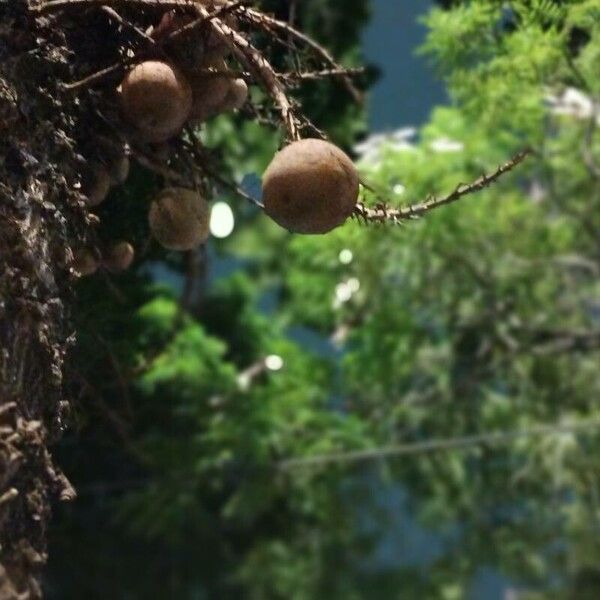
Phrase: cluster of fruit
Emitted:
{"points": [[311, 186], [159, 97]]}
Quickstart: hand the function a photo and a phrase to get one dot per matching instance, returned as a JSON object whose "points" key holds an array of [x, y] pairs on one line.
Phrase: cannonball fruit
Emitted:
{"points": [[100, 181], [311, 186], [236, 95], [209, 91], [157, 99], [85, 263], [119, 257], [179, 219]]}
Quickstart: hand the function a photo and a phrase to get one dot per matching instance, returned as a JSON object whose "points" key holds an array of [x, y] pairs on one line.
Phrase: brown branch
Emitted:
{"points": [[195, 147], [437, 445], [322, 74], [120, 66], [383, 213], [246, 53], [111, 12], [260, 18], [146, 160], [544, 342], [56, 5], [196, 23], [157, 167], [98, 76], [255, 62]]}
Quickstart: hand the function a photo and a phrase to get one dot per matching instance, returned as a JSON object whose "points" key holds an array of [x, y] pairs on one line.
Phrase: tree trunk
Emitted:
{"points": [[41, 217]]}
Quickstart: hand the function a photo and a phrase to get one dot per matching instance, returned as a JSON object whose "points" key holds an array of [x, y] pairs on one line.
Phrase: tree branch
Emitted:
{"points": [[255, 62], [435, 445], [263, 19], [384, 213]]}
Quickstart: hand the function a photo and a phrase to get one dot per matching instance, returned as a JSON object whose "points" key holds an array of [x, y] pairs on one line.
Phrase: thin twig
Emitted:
{"points": [[195, 147], [435, 445], [120, 66], [257, 64], [384, 213], [56, 5], [322, 74], [111, 12], [196, 23], [263, 19], [97, 76], [544, 342], [157, 167]]}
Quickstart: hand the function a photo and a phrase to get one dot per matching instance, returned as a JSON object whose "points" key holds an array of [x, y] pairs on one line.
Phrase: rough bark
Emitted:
{"points": [[42, 216]]}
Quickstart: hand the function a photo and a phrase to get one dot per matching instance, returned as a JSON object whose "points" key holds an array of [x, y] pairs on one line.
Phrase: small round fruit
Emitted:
{"points": [[311, 186], [209, 91], [119, 257], [179, 219], [156, 99], [99, 186], [84, 263], [236, 96]]}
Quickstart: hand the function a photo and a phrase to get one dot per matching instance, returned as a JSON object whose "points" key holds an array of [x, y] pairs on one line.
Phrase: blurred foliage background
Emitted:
{"points": [[288, 417]]}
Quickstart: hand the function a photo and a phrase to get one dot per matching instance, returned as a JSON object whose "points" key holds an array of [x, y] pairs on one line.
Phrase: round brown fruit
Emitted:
{"points": [[209, 91], [84, 263], [236, 96], [156, 99], [115, 157], [311, 186], [179, 219], [119, 257], [99, 186]]}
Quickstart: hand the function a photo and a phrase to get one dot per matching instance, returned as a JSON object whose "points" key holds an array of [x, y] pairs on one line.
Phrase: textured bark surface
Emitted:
{"points": [[41, 217]]}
